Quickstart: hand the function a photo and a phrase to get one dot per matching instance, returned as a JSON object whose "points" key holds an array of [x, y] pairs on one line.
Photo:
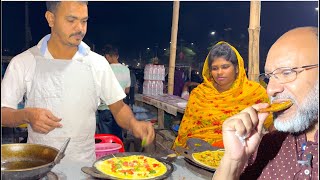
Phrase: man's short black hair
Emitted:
{"points": [[52, 5], [110, 50]]}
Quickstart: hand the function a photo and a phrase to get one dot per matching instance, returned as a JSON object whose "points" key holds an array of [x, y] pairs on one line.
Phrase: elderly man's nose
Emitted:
{"points": [[274, 87]]}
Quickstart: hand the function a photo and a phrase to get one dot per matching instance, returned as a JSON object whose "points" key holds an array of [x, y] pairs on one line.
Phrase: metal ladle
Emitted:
{"points": [[61, 154]]}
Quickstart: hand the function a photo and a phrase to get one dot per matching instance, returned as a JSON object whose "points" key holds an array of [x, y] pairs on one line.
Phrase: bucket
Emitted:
{"points": [[103, 149]]}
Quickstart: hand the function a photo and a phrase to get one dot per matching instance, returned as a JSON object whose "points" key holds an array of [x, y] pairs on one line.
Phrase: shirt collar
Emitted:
{"points": [[83, 48], [316, 136]]}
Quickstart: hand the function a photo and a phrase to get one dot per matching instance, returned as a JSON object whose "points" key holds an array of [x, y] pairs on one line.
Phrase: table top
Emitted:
{"points": [[72, 170], [169, 103]]}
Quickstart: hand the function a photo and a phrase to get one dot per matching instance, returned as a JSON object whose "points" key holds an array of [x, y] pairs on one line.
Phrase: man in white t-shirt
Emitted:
{"points": [[187, 87], [106, 123], [63, 82]]}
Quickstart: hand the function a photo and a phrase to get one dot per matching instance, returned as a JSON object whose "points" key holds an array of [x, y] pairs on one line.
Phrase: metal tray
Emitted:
{"points": [[192, 162], [97, 174], [195, 145]]}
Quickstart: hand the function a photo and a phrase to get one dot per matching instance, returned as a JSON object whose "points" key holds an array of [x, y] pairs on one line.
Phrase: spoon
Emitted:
{"points": [[61, 154]]}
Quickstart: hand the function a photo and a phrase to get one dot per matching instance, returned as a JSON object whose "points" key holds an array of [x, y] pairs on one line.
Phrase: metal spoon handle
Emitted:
{"points": [[60, 154]]}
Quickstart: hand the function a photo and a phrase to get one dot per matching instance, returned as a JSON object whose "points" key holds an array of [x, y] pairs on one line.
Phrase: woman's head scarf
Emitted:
{"points": [[207, 108]]}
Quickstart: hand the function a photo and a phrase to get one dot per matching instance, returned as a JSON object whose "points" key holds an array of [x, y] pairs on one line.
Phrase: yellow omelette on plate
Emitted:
{"points": [[132, 167], [209, 159]]}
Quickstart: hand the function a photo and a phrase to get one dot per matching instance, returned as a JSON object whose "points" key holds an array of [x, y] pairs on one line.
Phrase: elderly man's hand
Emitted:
{"points": [[42, 120], [248, 126], [143, 130]]}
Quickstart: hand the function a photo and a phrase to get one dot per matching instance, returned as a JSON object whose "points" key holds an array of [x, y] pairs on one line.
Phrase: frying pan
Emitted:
{"points": [[97, 174], [29, 161]]}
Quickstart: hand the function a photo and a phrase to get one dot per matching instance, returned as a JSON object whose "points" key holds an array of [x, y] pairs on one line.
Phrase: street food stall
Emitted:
{"points": [[185, 165]]}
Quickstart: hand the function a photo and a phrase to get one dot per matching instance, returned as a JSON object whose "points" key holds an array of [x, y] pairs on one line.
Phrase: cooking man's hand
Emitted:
{"points": [[42, 120], [144, 131]]}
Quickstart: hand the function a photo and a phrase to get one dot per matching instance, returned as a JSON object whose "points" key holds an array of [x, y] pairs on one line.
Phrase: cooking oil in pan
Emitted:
{"points": [[22, 164]]}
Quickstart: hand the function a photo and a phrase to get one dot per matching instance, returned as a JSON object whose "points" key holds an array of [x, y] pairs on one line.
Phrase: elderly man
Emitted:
{"points": [[292, 151], [63, 82]]}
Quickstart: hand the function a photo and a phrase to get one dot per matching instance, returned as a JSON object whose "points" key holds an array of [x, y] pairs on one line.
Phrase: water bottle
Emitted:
{"points": [[154, 72], [153, 88], [163, 73], [157, 88], [149, 88], [160, 87]]}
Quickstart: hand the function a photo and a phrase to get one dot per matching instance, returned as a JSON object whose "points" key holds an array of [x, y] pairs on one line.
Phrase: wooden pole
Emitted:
{"points": [[173, 45], [254, 35]]}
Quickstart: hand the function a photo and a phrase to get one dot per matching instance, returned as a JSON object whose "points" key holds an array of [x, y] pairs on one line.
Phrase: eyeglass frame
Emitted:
{"points": [[269, 75]]}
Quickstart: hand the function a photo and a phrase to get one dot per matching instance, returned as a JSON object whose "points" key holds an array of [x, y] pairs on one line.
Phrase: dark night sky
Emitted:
{"points": [[134, 26]]}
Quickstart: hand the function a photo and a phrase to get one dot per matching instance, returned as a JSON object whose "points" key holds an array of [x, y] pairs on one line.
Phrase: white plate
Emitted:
{"points": [[182, 104]]}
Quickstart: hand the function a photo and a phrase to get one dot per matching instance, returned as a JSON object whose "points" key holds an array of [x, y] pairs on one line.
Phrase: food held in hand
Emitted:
{"points": [[275, 107]]}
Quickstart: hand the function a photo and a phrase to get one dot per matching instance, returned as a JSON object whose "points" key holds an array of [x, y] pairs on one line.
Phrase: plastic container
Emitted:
{"points": [[103, 149]]}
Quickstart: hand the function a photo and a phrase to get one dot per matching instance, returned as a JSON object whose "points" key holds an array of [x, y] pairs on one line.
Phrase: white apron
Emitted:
{"points": [[67, 89]]}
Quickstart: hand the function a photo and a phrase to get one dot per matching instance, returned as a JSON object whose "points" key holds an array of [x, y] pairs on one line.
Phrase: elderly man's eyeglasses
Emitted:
{"points": [[285, 74]]}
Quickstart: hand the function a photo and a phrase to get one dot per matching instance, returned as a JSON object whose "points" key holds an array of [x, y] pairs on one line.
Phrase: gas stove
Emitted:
{"points": [[54, 176]]}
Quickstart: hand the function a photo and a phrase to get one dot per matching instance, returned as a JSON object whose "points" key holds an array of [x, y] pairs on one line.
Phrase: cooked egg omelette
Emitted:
{"points": [[132, 167], [209, 159]]}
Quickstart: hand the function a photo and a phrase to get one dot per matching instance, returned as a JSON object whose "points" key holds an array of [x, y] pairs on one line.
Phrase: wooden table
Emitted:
{"points": [[164, 103]]}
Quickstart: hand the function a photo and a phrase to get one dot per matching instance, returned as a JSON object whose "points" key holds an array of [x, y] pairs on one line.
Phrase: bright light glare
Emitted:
{"points": [[212, 33], [316, 9]]}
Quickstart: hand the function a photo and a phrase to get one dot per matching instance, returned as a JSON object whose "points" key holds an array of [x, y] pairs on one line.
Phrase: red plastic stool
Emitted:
{"points": [[109, 138]]}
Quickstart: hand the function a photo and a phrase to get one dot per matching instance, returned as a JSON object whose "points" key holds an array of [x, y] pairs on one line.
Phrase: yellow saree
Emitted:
{"points": [[207, 109]]}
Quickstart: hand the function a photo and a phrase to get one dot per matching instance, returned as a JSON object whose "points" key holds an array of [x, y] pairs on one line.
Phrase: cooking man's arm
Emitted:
{"points": [[41, 120], [125, 118]]}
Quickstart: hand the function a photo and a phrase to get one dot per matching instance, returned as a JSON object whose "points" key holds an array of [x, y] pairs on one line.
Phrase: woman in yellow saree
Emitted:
{"points": [[225, 91]]}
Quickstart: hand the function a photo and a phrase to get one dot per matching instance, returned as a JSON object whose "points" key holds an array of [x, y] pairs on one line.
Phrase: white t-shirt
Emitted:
{"points": [[122, 74], [185, 95], [21, 70]]}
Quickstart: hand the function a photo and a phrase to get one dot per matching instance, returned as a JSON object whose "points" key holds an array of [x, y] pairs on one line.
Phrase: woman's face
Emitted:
{"points": [[223, 73]]}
